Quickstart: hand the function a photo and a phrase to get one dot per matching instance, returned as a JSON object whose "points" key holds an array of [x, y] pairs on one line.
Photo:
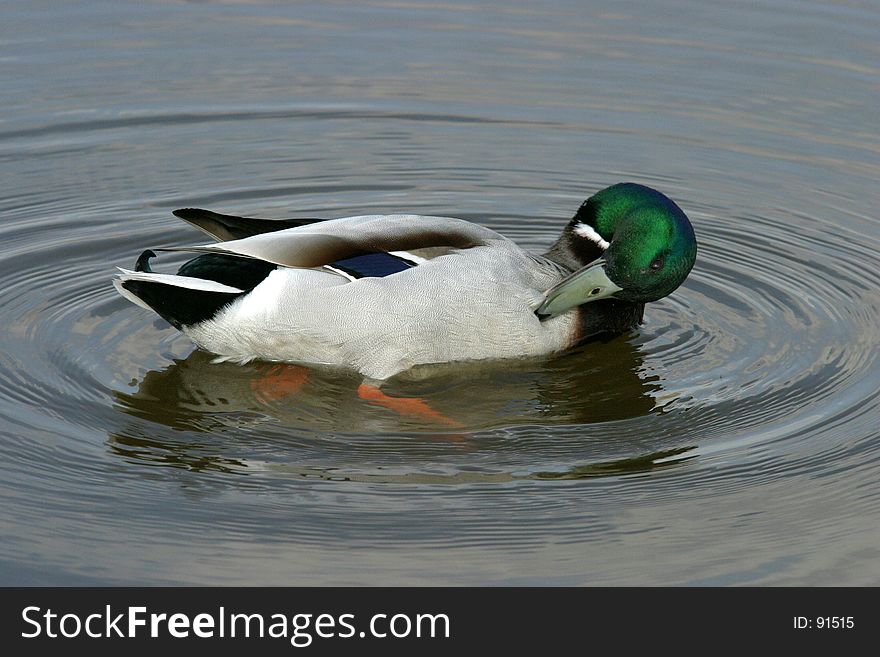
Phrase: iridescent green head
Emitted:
{"points": [[629, 242]]}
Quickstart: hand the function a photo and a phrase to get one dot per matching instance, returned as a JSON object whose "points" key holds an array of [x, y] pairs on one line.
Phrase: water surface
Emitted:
{"points": [[731, 439]]}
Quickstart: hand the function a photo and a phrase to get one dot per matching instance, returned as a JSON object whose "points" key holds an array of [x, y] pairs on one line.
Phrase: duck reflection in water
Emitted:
{"points": [[602, 382], [224, 417]]}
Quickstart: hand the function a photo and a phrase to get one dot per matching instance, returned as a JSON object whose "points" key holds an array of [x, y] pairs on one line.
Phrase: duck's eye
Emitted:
{"points": [[658, 263]]}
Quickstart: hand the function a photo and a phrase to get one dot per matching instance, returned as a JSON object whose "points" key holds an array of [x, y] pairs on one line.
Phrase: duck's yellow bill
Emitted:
{"points": [[589, 283]]}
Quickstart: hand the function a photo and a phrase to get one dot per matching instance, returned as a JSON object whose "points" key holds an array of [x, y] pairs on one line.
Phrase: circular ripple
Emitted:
{"points": [[765, 341]]}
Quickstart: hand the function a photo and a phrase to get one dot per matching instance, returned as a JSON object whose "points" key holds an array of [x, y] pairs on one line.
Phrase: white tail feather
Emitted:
{"points": [[177, 281], [166, 279], [117, 283]]}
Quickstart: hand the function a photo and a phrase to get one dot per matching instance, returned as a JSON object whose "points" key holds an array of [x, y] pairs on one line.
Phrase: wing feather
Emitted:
{"points": [[225, 227], [326, 242]]}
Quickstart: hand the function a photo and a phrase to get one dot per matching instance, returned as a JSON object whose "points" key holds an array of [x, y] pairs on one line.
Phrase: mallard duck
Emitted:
{"points": [[383, 293]]}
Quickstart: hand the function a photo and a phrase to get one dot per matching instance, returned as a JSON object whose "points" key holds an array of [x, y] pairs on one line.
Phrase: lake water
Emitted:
{"points": [[734, 438]]}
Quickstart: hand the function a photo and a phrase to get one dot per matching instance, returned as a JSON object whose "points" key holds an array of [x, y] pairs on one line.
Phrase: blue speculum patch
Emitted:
{"points": [[375, 265]]}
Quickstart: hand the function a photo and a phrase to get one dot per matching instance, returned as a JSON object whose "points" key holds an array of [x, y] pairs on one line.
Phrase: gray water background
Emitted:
{"points": [[732, 439]]}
